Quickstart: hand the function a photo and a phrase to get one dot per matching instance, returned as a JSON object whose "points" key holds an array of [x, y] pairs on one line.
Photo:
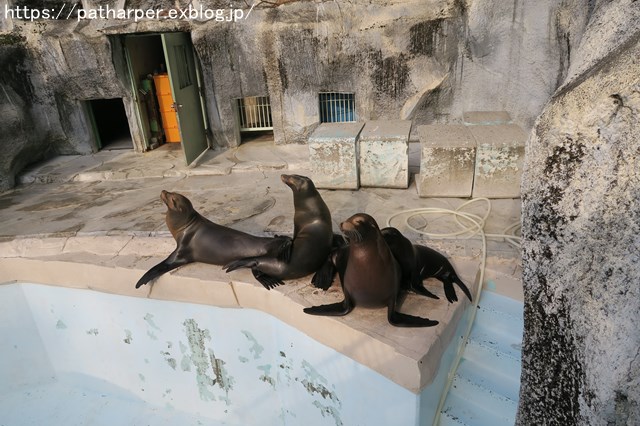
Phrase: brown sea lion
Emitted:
{"points": [[420, 262], [200, 240], [312, 238], [369, 273]]}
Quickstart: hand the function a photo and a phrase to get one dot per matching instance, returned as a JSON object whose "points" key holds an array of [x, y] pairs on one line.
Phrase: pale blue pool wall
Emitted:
{"points": [[237, 366]]}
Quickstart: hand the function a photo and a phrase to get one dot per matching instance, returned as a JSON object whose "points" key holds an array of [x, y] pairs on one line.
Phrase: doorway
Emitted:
{"points": [[166, 86], [111, 127]]}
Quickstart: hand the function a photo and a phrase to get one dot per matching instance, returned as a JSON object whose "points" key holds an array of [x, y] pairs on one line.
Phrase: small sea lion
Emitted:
{"points": [[369, 273], [404, 252], [312, 238], [200, 240], [421, 262]]}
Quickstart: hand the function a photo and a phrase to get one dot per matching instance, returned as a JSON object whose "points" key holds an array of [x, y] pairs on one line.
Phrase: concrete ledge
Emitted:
{"points": [[447, 162], [408, 357], [499, 160], [383, 153]]}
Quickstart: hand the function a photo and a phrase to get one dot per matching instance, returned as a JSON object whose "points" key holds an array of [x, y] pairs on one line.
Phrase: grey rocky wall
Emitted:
{"points": [[581, 229], [424, 60], [428, 61], [386, 53], [47, 71]]}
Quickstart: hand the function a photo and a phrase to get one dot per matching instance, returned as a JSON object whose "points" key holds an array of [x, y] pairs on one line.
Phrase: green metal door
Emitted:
{"points": [[181, 67]]}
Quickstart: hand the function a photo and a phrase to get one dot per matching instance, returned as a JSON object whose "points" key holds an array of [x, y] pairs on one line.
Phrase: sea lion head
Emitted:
{"points": [[358, 227], [176, 202], [298, 183], [180, 211]]}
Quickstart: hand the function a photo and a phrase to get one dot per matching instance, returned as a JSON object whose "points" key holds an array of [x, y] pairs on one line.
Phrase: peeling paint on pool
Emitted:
{"points": [[83, 357]]}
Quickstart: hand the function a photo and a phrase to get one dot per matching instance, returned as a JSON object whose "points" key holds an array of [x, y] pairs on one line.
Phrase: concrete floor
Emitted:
{"points": [[116, 192], [104, 211]]}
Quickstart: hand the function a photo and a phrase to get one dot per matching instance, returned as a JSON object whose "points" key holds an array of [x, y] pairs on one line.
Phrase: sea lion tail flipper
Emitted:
{"points": [[424, 292], [449, 291], [416, 286], [399, 319], [463, 287], [267, 281], [334, 309]]}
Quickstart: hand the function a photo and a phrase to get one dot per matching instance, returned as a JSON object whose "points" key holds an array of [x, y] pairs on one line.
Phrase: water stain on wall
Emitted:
{"points": [[204, 360], [266, 377], [256, 349], [199, 358], [128, 337], [328, 411]]}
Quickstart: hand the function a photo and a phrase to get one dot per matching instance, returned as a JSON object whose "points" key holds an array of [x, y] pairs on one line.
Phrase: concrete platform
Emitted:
{"points": [[383, 153], [499, 160], [448, 161], [69, 228], [334, 156]]}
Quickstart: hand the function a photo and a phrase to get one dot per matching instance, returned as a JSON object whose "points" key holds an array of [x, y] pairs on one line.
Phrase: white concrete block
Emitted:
{"points": [[499, 160], [333, 155], [383, 153], [447, 163]]}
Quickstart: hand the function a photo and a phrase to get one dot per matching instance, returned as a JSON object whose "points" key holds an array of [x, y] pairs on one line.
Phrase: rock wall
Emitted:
{"points": [[16, 139], [424, 60], [391, 55], [581, 229]]}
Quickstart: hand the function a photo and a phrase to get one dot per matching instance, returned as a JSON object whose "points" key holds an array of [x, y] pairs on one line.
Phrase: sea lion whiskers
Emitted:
{"points": [[353, 235]]}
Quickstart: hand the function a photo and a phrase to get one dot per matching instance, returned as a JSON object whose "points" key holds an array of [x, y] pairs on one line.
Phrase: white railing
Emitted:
{"points": [[254, 113]]}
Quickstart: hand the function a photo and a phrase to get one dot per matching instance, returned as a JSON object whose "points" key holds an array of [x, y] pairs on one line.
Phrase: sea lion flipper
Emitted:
{"points": [[323, 277], [170, 263], [267, 281], [463, 287], [399, 319], [240, 263], [449, 291], [419, 289], [283, 251], [334, 309]]}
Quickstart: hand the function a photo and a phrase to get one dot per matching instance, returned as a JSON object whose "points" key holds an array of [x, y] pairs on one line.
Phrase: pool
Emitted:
{"points": [[77, 356]]}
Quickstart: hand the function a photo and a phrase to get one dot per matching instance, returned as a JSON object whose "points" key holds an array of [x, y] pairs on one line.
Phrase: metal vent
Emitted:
{"points": [[254, 114], [337, 107]]}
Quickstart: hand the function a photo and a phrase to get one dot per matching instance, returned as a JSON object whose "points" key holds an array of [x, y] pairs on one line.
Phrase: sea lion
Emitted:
{"points": [[312, 238], [421, 262], [369, 273], [404, 252], [200, 240]]}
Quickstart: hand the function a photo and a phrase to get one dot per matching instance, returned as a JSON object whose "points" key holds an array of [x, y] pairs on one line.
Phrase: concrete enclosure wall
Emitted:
{"points": [[427, 61]]}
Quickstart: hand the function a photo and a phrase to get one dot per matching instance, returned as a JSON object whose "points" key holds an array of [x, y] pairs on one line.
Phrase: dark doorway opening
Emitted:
{"points": [[262, 136], [111, 124]]}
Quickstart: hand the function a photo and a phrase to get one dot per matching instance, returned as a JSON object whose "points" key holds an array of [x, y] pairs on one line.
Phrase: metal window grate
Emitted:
{"points": [[336, 107], [254, 114]]}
